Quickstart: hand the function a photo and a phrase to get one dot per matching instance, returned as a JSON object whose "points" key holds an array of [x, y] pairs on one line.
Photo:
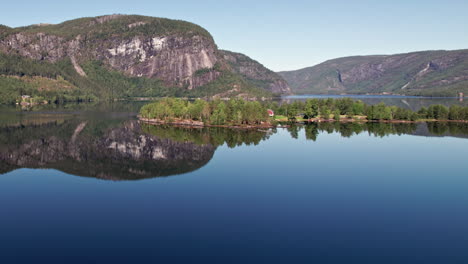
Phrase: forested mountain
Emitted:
{"points": [[121, 56], [429, 73]]}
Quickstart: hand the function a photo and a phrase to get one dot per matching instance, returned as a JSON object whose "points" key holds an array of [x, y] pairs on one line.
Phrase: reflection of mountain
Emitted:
{"points": [[115, 149], [94, 150]]}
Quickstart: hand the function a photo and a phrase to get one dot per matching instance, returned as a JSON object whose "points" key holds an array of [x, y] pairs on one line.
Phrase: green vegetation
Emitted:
{"points": [[40, 90], [102, 28], [251, 70], [427, 73], [379, 129], [4, 31], [111, 84], [103, 83], [228, 84], [241, 112], [232, 112], [214, 136], [62, 81], [100, 83], [357, 110]]}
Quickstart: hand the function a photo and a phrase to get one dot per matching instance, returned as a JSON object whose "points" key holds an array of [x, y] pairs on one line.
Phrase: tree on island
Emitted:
{"points": [[238, 112], [336, 115]]}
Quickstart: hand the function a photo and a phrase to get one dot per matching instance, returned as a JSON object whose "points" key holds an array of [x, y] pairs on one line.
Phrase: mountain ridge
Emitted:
{"points": [[119, 56], [429, 73]]}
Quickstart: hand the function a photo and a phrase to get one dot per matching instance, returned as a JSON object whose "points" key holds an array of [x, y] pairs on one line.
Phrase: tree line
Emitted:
{"points": [[349, 108], [241, 112], [216, 112]]}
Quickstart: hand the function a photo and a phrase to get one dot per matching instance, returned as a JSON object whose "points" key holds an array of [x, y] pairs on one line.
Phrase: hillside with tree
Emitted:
{"points": [[120, 57], [426, 73]]}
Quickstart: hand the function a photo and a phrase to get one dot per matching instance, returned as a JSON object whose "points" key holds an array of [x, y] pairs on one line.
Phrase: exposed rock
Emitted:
{"points": [[103, 19], [173, 59], [169, 50], [136, 24]]}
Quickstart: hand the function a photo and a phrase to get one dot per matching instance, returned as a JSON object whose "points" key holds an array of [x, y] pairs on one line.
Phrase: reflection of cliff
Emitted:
{"points": [[209, 135], [94, 150], [115, 150]]}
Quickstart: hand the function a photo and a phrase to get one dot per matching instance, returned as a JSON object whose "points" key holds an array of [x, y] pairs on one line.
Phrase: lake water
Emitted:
{"points": [[95, 186]]}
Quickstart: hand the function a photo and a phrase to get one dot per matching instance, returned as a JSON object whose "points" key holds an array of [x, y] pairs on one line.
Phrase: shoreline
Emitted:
{"points": [[394, 121], [199, 124]]}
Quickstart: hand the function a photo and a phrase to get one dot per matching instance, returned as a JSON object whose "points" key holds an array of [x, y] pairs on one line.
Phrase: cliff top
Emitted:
{"points": [[113, 25]]}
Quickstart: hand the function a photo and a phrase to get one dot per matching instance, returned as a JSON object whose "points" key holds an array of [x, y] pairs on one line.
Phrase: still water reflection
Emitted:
{"points": [[320, 193], [123, 149]]}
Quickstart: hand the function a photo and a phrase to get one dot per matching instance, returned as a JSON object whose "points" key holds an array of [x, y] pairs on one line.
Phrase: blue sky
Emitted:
{"points": [[284, 35]]}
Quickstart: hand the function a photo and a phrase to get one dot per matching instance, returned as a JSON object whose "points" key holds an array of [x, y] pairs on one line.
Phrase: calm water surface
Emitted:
{"points": [[92, 188]]}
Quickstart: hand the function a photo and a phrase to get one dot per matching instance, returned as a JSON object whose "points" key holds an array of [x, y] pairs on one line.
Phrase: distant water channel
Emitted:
{"points": [[94, 186]]}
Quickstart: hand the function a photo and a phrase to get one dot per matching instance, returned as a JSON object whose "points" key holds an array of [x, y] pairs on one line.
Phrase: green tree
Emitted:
{"points": [[325, 112], [336, 115], [456, 112], [311, 108]]}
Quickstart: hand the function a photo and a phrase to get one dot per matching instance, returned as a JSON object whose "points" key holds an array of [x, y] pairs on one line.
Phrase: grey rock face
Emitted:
{"points": [[173, 59], [178, 53], [38, 46]]}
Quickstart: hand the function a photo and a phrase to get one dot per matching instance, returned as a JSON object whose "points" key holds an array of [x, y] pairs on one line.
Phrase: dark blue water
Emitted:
{"points": [[358, 199]]}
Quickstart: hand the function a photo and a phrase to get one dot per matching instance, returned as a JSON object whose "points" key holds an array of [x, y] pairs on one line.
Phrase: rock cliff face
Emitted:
{"points": [[174, 52], [429, 73], [173, 58]]}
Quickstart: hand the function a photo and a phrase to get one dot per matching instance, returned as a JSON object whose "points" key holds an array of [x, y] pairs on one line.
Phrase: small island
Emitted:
{"points": [[240, 113]]}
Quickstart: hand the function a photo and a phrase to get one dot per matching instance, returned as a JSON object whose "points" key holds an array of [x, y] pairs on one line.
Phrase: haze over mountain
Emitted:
{"points": [[118, 56], [428, 73]]}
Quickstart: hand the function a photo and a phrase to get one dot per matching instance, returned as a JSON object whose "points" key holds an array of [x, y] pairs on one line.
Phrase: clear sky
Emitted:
{"points": [[284, 35]]}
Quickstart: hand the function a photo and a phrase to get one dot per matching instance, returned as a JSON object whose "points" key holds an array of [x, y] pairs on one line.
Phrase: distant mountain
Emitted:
{"points": [[429, 73], [119, 56]]}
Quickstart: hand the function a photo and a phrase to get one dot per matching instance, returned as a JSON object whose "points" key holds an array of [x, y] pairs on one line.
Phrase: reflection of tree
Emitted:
{"points": [[311, 132], [294, 131], [215, 136], [438, 128], [379, 129], [118, 150], [458, 128]]}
